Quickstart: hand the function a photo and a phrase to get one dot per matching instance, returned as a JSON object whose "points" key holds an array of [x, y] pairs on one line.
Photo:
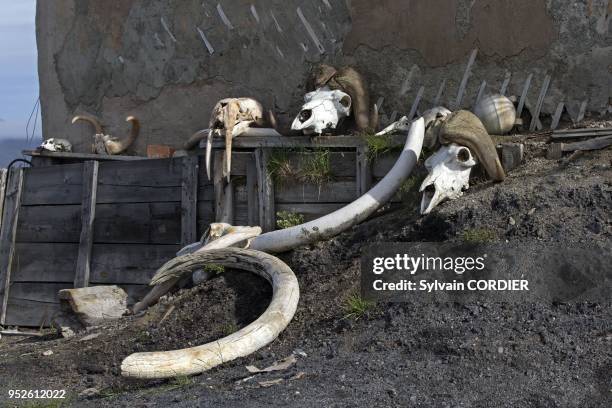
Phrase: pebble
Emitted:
{"points": [[511, 221], [47, 353], [89, 392], [531, 211]]}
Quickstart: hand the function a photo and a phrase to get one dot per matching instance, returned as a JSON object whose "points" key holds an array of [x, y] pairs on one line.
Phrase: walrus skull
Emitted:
{"points": [[449, 174], [323, 110]]}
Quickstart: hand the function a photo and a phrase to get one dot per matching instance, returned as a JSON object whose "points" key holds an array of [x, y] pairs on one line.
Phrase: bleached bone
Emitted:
{"points": [[56, 145], [449, 174], [352, 214], [323, 110], [195, 360], [219, 235], [233, 116], [403, 124], [111, 145]]}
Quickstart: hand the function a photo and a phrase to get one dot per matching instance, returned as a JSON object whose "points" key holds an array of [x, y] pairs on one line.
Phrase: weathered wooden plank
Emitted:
{"points": [[53, 185], [557, 116], [363, 171], [331, 192], [240, 161], [80, 156], [382, 165], [189, 201], [3, 174], [479, 95], [341, 164], [206, 215], [438, 98], [88, 215], [34, 304], [504, 86], [581, 130], [110, 263], [12, 203], [253, 142], [138, 223], [538, 107], [266, 191], [464, 80], [415, 104], [251, 187], [224, 207], [310, 211], [128, 264], [521, 104]]}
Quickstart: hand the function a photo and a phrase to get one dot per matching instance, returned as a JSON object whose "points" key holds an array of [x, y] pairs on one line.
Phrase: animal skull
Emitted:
{"points": [[323, 110], [449, 174], [56, 145]]}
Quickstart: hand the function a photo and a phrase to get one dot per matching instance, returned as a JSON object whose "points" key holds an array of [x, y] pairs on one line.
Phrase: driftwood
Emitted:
{"points": [[194, 360], [556, 150]]}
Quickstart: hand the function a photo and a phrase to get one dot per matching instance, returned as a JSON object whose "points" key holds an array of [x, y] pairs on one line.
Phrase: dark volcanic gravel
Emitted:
{"points": [[406, 354]]}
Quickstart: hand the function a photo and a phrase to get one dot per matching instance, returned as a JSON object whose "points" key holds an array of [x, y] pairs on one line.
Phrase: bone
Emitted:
{"points": [[449, 174], [310, 31], [224, 18], [322, 111], [340, 220], [165, 25], [207, 43], [195, 360], [219, 235]]}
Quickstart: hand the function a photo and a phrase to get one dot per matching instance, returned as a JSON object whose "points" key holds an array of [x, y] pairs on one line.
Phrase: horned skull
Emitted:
{"points": [[449, 173], [323, 110]]}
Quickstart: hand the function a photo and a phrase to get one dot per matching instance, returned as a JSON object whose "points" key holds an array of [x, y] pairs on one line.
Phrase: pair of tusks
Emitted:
{"points": [[195, 360], [285, 296]]}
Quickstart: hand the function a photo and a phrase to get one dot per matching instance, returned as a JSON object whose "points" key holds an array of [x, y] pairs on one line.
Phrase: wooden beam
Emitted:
{"points": [[521, 104], [3, 174], [12, 203], [267, 215], [555, 150], [224, 207], [504, 86], [80, 156], [415, 104], [254, 142], [557, 116], [438, 97], [536, 114], [88, 216], [363, 173], [252, 195], [464, 80], [189, 200], [481, 90]]}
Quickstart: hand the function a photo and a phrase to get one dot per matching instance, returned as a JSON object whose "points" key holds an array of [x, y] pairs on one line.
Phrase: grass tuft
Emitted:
{"points": [[287, 219], [356, 307], [317, 167], [182, 381], [479, 235], [214, 268], [279, 166]]}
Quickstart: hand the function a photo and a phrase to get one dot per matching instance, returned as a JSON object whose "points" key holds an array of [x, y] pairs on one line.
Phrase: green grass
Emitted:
{"points": [[279, 166], [287, 219], [229, 328], [182, 381], [316, 168], [356, 307], [379, 146], [479, 235], [214, 268], [47, 403]]}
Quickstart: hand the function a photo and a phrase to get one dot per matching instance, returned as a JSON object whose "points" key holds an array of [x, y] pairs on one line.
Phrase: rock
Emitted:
{"points": [[89, 392], [95, 304], [47, 353], [66, 332], [511, 221], [90, 337], [511, 155]]}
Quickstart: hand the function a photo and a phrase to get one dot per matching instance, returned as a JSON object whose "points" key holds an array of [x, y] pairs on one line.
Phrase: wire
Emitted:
{"points": [[34, 113], [17, 161]]}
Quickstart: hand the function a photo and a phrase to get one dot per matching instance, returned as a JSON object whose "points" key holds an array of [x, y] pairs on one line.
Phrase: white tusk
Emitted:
{"points": [[195, 360], [353, 213]]}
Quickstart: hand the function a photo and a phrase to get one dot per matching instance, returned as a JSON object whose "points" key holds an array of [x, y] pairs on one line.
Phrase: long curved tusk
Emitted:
{"points": [[244, 234], [353, 213], [194, 360], [195, 139]]}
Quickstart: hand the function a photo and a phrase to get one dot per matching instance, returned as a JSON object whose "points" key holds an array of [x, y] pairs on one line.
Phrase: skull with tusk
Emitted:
{"points": [[449, 173], [323, 110]]}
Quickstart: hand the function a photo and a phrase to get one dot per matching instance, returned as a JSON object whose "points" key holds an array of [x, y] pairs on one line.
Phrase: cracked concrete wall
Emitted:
{"points": [[169, 61]]}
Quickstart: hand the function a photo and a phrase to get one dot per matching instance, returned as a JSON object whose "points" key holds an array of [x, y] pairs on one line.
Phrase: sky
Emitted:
{"points": [[18, 67]]}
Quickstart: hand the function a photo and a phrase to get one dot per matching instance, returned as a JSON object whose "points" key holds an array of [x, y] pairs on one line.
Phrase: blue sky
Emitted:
{"points": [[18, 67]]}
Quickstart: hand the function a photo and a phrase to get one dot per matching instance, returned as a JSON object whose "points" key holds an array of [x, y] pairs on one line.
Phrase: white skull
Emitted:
{"points": [[449, 174], [403, 125], [56, 145], [323, 110]]}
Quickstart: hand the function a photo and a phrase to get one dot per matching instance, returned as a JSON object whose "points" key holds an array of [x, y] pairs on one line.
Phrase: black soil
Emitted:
{"points": [[400, 354]]}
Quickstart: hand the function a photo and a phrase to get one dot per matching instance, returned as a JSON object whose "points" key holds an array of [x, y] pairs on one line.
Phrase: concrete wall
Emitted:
{"points": [[146, 57]]}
